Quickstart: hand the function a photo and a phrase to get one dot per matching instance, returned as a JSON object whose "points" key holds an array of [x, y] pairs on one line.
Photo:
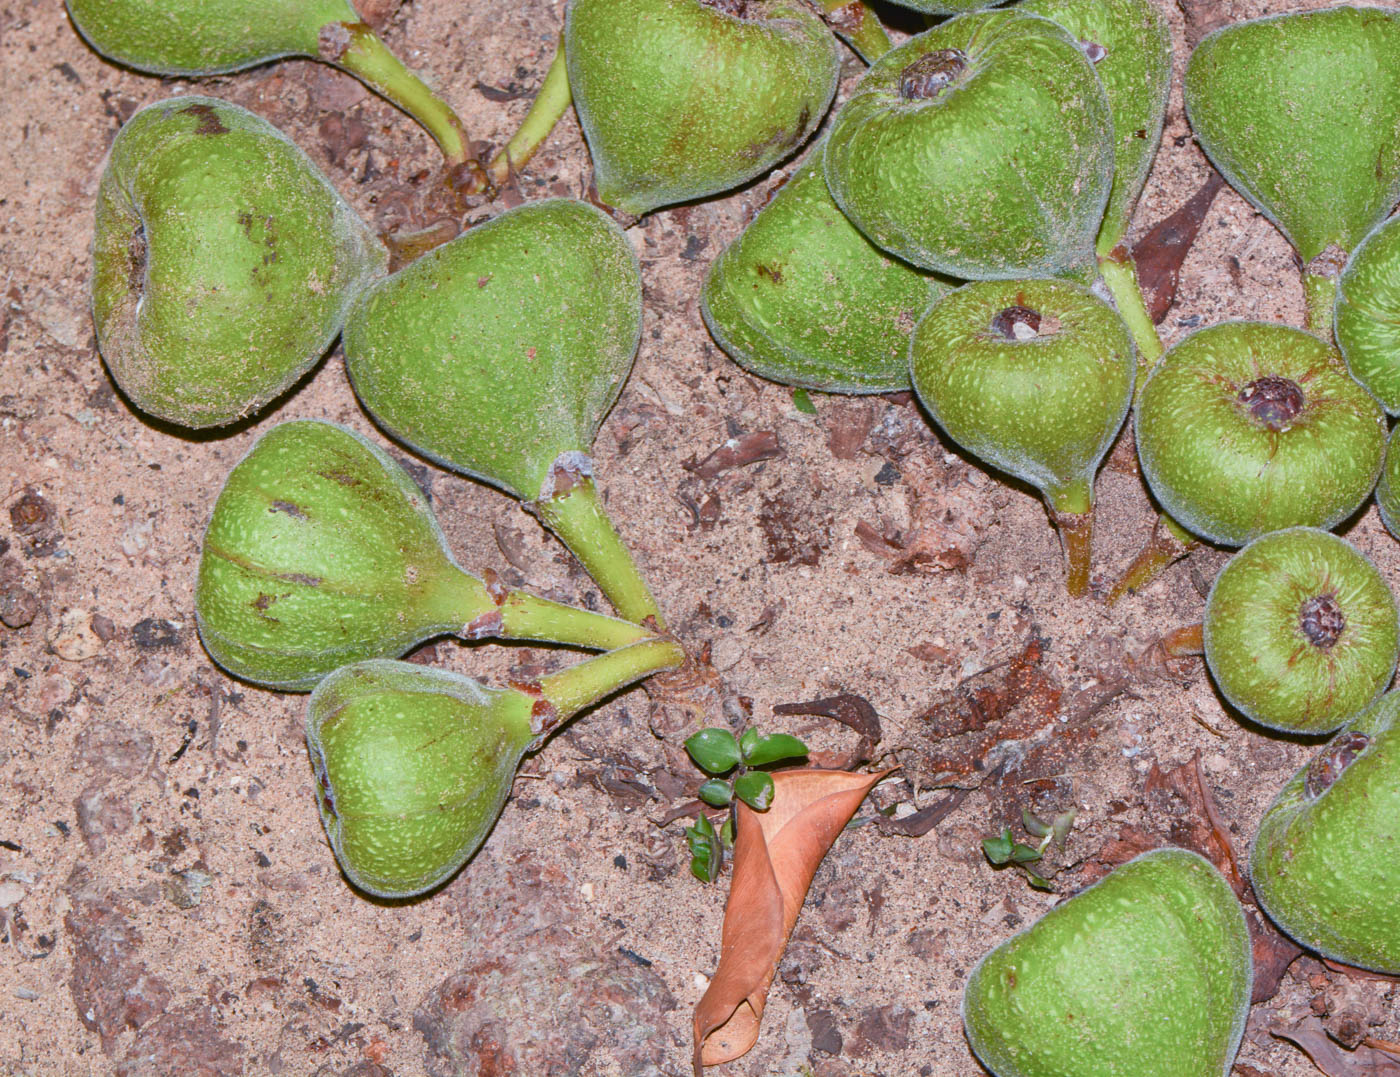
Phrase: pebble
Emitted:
{"points": [[73, 638]]}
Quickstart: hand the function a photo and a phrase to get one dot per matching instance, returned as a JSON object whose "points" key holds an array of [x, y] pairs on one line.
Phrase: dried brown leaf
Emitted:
{"points": [[1331, 1059]]}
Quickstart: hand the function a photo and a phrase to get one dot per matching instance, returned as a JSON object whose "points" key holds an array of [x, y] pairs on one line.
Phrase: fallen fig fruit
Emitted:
{"points": [[1368, 314]]}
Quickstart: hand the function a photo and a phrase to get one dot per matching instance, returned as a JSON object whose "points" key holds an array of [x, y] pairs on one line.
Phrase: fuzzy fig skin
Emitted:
{"points": [[679, 99], [1368, 314], [803, 298], [1298, 113], [1151, 963], [1130, 45], [1301, 631], [224, 262], [982, 149], [1324, 865], [1388, 488], [499, 352], [1246, 428], [948, 7]]}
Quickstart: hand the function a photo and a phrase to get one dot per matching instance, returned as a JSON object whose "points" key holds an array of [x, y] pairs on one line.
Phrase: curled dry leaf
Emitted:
{"points": [[776, 853]]}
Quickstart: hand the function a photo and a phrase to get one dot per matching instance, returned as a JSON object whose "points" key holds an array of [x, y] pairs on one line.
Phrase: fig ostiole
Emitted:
{"points": [[499, 353], [414, 765], [1300, 631], [1367, 318], [224, 262], [1151, 963], [322, 551], [1035, 377], [1323, 864]]}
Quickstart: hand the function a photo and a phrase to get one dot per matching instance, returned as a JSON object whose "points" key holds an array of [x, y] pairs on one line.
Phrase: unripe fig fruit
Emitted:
{"points": [[1298, 113], [803, 298], [1388, 488], [211, 37], [1130, 46], [223, 261], [499, 353], [1300, 631], [680, 99], [323, 551], [1147, 971], [1368, 314], [413, 765], [1034, 377], [982, 149], [1246, 428], [1324, 866]]}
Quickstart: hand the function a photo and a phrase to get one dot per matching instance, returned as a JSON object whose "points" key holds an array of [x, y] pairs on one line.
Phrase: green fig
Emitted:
{"points": [[1035, 377], [1246, 427], [1368, 314], [948, 7], [1388, 488], [211, 37], [499, 353], [680, 99], [413, 765], [323, 551], [1147, 971], [982, 149], [803, 298], [1301, 631], [223, 262], [1324, 866], [1299, 113]]}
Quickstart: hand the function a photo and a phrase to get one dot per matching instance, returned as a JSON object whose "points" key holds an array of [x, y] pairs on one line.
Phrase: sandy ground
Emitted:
{"points": [[167, 898]]}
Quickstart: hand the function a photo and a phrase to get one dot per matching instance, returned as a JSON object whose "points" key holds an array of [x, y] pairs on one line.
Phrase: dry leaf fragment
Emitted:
{"points": [[776, 853], [1310, 1038]]}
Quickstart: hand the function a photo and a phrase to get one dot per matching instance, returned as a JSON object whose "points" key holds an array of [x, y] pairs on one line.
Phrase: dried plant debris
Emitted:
{"points": [[1161, 253]]}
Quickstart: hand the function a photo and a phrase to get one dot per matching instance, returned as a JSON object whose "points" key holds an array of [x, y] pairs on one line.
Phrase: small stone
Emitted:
{"points": [[18, 607], [185, 888], [73, 638], [154, 633], [10, 893]]}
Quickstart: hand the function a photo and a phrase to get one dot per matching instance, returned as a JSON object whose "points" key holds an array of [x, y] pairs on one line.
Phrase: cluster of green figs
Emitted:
{"points": [[957, 228]]}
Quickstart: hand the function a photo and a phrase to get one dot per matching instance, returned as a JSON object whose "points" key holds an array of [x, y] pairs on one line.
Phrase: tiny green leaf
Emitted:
{"points": [[1023, 854], [802, 402], [1037, 881], [706, 853], [726, 832], [1062, 825], [755, 789], [772, 748], [998, 849], [1035, 827], [715, 792], [714, 750], [747, 739]]}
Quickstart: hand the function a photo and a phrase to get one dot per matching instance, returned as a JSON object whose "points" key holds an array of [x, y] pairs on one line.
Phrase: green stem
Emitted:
{"points": [[354, 47], [1072, 507], [550, 104], [1169, 543], [576, 515], [571, 690], [857, 26], [1320, 291], [1120, 275]]}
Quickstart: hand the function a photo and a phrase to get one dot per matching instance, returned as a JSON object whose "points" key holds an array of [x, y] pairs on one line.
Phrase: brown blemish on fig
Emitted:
{"points": [[209, 122], [1094, 51], [1324, 771], [487, 626], [773, 272], [1273, 402], [739, 9], [295, 511], [495, 587], [335, 39], [847, 19], [136, 252], [1017, 323], [340, 477], [1322, 621], [931, 74]]}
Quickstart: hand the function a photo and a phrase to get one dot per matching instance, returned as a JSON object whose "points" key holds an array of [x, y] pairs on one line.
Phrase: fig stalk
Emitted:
{"points": [[552, 100], [1119, 273]]}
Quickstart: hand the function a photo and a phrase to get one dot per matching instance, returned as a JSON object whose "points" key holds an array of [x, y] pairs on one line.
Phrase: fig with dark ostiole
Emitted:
{"points": [[1035, 377], [211, 37], [499, 353], [1298, 112], [322, 551], [803, 298], [680, 99], [1368, 314], [1247, 427], [982, 149], [414, 765], [1324, 864], [1147, 971], [1300, 631], [223, 261]]}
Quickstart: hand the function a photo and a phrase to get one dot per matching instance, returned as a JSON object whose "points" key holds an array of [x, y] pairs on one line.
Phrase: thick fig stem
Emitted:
{"points": [[858, 26], [1072, 508], [1169, 543], [1120, 275], [571, 690], [1320, 291], [551, 102]]}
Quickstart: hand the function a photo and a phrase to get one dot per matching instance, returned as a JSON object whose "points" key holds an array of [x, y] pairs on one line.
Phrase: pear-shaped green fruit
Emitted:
{"points": [[1246, 428], [1130, 46], [1299, 114], [803, 298], [982, 149], [685, 98], [1388, 488], [1301, 631], [1368, 314], [499, 353], [413, 765], [1035, 377], [322, 551], [210, 37], [223, 261], [1324, 864], [1147, 971]]}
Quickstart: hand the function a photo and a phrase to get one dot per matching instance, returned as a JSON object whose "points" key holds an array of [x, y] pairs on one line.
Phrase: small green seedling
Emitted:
{"points": [[1004, 849]]}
